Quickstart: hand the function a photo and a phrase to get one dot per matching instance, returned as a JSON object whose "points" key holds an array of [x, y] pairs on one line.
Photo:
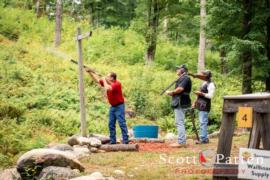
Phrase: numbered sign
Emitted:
{"points": [[244, 117]]}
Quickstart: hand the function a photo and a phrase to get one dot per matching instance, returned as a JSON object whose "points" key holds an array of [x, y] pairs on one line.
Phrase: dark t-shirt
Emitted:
{"points": [[186, 84], [114, 95]]}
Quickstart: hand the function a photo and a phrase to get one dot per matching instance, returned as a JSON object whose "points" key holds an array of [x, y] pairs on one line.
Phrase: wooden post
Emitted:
{"points": [[265, 134], [255, 134], [226, 135], [81, 85]]}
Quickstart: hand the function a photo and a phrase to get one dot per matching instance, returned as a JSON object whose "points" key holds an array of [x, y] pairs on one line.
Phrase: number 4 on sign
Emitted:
{"points": [[244, 117]]}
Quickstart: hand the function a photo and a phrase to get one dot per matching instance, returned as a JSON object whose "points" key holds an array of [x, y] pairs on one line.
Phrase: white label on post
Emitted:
{"points": [[254, 164]]}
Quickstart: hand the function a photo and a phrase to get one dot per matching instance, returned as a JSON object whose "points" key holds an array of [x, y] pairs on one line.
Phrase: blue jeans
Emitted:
{"points": [[180, 124], [203, 117], [118, 112]]}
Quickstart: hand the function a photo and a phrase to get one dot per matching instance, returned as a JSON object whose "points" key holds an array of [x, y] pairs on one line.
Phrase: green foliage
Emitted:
{"points": [[10, 111], [167, 124]]}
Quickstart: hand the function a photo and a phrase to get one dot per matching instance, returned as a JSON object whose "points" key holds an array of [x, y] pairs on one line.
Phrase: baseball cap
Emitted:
{"points": [[207, 73], [182, 66]]}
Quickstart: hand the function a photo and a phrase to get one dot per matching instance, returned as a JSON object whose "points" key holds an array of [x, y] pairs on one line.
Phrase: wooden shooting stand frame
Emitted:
{"points": [[260, 127]]}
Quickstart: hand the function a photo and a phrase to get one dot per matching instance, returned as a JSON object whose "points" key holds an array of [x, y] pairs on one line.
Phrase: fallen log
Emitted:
{"points": [[147, 140], [119, 147]]}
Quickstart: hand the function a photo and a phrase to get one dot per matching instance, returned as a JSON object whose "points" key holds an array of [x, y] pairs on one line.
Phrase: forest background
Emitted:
{"points": [[141, 40]]}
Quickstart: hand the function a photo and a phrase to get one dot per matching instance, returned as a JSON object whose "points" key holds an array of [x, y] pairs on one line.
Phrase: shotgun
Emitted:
{"points": [[168, 87], [192, 114], [84, 66]]}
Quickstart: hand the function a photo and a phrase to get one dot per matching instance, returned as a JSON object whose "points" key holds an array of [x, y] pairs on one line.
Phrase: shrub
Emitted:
{"points": [[10, 111]]}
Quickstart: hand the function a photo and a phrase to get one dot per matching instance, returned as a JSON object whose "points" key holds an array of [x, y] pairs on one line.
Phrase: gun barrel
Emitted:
{"points": [[168, 87], [75, 62]]}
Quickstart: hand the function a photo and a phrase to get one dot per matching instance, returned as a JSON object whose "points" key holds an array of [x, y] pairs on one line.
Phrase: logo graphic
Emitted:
{"points": [[207, 157], [246, 155]]}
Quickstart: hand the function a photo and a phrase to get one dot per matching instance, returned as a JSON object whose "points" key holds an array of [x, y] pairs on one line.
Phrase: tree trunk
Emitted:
{"points": [[38, 8], [151, 37], [246, 55], [222, 55], [267, 47], [201, 57], [165, 21], [58, 23], [165, 25], [91, 15]]}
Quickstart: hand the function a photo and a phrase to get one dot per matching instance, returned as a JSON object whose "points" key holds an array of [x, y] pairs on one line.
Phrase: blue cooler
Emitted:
{"points": [[145, 131]]}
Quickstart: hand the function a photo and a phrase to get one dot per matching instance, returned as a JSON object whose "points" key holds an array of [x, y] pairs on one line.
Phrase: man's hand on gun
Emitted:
{"points": [[199, 93], [170, 93], [88, 70]]}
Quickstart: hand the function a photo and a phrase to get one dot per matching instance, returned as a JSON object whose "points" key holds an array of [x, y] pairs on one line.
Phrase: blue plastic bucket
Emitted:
{"points": [[145, 131]]}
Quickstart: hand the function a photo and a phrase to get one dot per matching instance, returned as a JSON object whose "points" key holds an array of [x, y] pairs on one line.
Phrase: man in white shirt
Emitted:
{"points": [[203, 103]]}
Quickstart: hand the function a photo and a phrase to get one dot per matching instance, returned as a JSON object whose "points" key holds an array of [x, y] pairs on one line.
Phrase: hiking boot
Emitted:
{"points": [[177, 145]]}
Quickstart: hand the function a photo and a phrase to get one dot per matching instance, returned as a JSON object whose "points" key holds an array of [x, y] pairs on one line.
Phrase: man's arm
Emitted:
{"points": [[180, 87], [176, 91], [107, 85], [211, 90], [93, 75]]}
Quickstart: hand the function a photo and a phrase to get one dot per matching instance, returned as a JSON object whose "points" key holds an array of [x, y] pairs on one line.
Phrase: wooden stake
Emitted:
{"points": [[81, 86]]}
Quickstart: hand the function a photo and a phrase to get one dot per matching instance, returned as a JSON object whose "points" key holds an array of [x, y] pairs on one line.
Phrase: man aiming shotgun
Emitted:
{"points": [[180, 102], [115, 97], [203, 103]]}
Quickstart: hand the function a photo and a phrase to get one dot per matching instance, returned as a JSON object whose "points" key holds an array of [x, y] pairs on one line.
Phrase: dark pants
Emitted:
{"points": [[118, 112]]}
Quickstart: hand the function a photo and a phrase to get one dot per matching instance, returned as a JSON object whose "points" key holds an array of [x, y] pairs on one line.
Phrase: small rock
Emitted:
{"points": [[93, 176], [101, 151], [53, 172], [119, 172], [81, 151], [97, 175], [78, 140], [214, 134], [94, 142], [104, 139], [60, 147], [110, 178], [94, 149], [130, 133], [170, 136], [9, 174], [131, 175]]}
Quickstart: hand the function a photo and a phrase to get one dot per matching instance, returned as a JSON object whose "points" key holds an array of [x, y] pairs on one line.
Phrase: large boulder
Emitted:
{"points": [[60, 147], [57, 173], [81, 151], [104, 139], [79, 140], [32, 162], [93, 176], [10, 174]]}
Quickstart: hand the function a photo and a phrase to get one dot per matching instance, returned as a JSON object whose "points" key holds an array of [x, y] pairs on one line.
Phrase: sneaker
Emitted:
{"points": [[177, 145], [202, 142]]}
